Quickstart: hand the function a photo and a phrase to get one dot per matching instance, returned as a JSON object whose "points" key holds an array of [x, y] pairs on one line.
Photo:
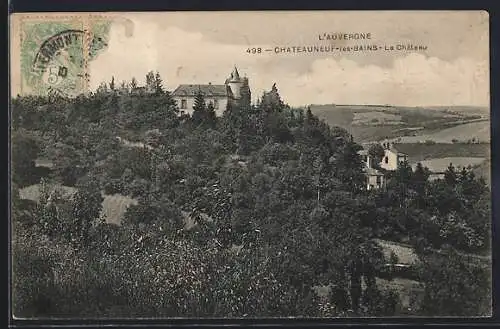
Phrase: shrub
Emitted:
{"points": [[113, 186]]}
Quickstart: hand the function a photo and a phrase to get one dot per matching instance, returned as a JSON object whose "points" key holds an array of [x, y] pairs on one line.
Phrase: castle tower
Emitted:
{"points": [[238, 89], [235, 83]]}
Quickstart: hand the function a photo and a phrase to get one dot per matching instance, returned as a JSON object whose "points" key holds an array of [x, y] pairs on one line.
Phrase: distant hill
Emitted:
{"points": [[378, 122], [472, 131], [467, 110], [422, 151]]}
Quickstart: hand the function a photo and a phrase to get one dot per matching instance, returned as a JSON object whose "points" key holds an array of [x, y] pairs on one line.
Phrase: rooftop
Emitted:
{"points": [[235, 75], [206, 90], [396, 148]]}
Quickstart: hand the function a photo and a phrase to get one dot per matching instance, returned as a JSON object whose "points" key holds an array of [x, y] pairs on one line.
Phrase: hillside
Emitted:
{"points": [[233, 216], [442, 124], [475, 131], [113, 206], [425, 151]]}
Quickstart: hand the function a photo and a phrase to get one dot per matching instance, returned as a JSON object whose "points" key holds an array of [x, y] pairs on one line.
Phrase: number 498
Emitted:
{"points": [[254, 50]]}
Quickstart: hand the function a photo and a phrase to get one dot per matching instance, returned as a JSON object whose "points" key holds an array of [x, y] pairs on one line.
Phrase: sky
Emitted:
{"points": [[203, 47]]}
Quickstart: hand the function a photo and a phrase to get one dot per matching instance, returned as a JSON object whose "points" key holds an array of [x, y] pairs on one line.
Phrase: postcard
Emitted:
{"points": [[274, 164]]}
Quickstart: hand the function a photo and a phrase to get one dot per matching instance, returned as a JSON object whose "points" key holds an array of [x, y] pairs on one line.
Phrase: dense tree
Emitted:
{"points": [[419, 183], [455, 285], [158, 84], [399, 184], [234, 121], [211, 118], [51, 212], [199, 109], [69, 163], [133, 84], [150, 82], [86, 209], [112, 84], [271, 101], [450, 175], [24, 151], [244, 215], [376, 152], [102, 88]]}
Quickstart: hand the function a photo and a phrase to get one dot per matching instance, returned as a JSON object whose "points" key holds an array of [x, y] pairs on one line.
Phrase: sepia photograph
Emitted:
{"points": [[246, 164]]}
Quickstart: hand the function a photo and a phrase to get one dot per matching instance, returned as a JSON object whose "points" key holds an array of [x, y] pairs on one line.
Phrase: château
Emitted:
{"points": [[235, 90]]}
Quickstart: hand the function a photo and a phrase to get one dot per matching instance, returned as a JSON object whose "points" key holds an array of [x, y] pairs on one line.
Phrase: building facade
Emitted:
{"points": [[235, 90], [392, 158], [374, 178], [374, 172]]}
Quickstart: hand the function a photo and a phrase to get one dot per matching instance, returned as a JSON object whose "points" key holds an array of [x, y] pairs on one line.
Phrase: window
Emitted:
{"points": [[379, 180], [386, 159], [183, 104], [216, 104]]}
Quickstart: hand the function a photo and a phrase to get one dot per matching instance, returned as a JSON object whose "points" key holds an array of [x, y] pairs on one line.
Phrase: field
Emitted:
{"points": [[412, 124], [376, 117], [422, 151], [440, 164], [479, 131], [374, 133], [32, 192], [405, 254], [438, 156], [334, 115], [483, 112], [113, 206]]}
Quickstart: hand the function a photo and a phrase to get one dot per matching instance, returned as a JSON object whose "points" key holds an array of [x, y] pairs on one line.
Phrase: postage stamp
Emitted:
{"points": [[55, 52]]}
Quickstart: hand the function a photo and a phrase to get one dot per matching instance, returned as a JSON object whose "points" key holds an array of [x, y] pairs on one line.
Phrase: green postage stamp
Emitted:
{"points": [[55, 52]]}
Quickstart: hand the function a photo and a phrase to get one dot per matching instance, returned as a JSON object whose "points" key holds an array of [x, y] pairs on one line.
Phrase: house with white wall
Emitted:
{"points": [[374, 172], [392, 157]]}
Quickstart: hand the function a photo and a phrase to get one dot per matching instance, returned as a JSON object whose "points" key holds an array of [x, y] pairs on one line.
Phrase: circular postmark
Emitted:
{"points": [[60, 65]]}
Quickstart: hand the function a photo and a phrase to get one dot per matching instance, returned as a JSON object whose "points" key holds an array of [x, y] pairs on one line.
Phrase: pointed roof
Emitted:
{"points": [[235, 75]]}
